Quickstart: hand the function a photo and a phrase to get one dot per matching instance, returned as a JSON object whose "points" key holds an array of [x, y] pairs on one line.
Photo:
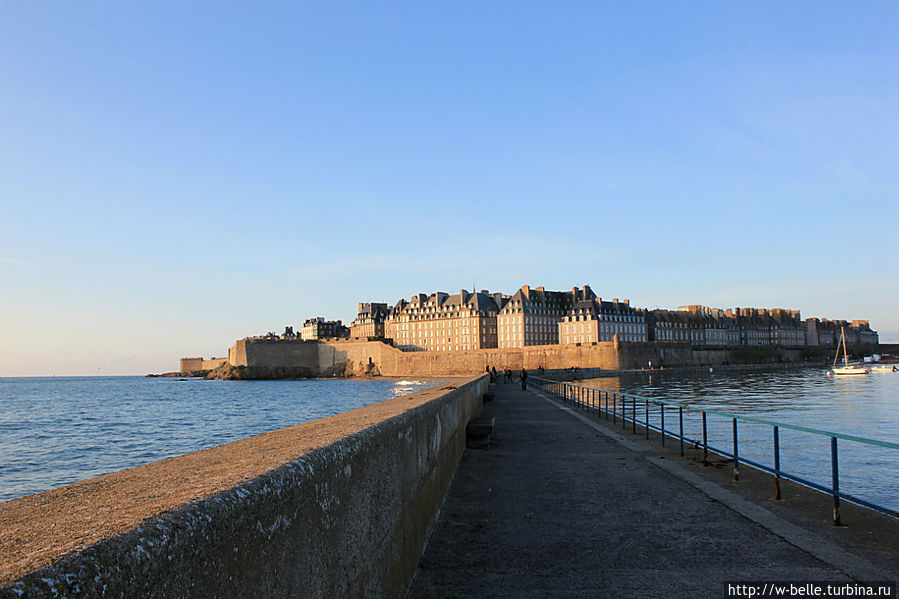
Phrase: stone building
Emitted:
{"points": [[710, 326], [531, 317], [319, 328], [442, 322], [821, 333], [370, 320], [755, 326], [669, 326], [788, 328], [590, 319], [861, 329], [826, 333]]}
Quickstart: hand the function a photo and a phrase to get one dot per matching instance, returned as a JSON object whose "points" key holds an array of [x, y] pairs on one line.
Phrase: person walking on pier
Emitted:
{"points": [[507, 375], [524, 379]]}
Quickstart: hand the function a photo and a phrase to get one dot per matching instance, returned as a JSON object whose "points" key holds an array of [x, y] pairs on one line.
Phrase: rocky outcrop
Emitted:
{"points": [[227, 372]]}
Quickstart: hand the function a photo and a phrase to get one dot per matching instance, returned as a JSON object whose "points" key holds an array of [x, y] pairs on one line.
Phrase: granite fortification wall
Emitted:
{"points": [[336, 507], [275, 358], [196, 364]]}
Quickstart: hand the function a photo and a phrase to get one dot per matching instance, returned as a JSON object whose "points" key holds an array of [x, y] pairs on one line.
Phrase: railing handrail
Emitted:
{"points": [[587, 397], [782, 425]]}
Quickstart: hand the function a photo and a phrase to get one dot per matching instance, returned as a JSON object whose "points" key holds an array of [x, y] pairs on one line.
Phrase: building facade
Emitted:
{"points": [[534, 316], [370, 320], [591, 320], [319, 328], [442, 322], [531, 317]]}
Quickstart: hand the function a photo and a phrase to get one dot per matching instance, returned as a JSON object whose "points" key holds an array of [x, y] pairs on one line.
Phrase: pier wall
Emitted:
{"points": [[335, 507]]}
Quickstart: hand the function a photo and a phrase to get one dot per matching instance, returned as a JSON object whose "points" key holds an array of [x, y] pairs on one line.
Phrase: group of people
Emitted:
{"points": [[507, 376]]}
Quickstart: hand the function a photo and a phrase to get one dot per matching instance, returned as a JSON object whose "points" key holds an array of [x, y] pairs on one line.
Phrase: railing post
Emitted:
{"points": [[634, 416], [614, 408], [680, 418], [736, 453], [776, 462], [646, 421], [834, 465], [662, 407], [705, 441]]}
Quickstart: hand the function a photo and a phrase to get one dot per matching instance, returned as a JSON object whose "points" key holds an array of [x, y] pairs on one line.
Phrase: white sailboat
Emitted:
{"points": [[846, 368]]}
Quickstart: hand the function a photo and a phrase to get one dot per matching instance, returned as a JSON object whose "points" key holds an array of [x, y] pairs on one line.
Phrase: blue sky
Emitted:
{"points": [[175, 176]]}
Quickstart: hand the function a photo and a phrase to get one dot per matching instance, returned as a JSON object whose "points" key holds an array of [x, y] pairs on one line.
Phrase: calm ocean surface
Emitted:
{"points": [[59, 430], [864, 406]]}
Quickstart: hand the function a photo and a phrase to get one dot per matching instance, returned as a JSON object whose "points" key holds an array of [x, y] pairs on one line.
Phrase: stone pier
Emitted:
{"points": [[561, 505], [335, 507]]}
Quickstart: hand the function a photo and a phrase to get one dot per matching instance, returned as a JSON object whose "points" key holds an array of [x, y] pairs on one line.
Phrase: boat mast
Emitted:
{"points": [[845, 353], [836, 355]]}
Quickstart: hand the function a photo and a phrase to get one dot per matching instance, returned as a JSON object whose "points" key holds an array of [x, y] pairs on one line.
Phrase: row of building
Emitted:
{"points": [[478, 320]]}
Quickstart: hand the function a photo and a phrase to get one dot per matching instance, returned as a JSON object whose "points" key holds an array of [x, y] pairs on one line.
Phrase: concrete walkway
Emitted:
{"points": [[555, 508]]}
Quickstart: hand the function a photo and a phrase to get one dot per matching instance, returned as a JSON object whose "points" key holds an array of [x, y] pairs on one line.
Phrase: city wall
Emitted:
{"points": [[336, 507], [196, 364], [272, 358]]}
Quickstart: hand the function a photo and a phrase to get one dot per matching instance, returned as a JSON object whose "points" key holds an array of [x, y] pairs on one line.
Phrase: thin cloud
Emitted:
{"points": [[119, 361], [355, 266], [16, 262]]}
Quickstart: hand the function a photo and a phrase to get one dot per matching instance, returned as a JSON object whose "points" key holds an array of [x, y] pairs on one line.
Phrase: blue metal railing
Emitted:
{"points": [[622, 407]]}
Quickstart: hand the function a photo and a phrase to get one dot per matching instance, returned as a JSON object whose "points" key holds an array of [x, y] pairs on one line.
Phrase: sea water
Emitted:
{"points": [[59, 430], [863, 406]]}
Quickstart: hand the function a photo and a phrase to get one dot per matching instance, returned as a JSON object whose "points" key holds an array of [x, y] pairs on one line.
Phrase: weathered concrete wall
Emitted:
{"points": [[336, 507]]}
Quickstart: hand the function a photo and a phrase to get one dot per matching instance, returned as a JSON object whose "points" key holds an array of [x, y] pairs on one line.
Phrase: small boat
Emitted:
{"points": [[886, 368], [847, 368]]}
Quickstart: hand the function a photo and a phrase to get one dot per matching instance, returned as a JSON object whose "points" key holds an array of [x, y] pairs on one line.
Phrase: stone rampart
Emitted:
{"points": [[335, 507], [390, 361], [189, 365], [279, 358], [265, 358], [213, 363]]}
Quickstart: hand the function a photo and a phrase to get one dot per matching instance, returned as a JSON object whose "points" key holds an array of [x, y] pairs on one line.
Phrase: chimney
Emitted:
{"points": [[540, 288], [614, 300], [627, 302], [526, 291], [360, 306]]}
